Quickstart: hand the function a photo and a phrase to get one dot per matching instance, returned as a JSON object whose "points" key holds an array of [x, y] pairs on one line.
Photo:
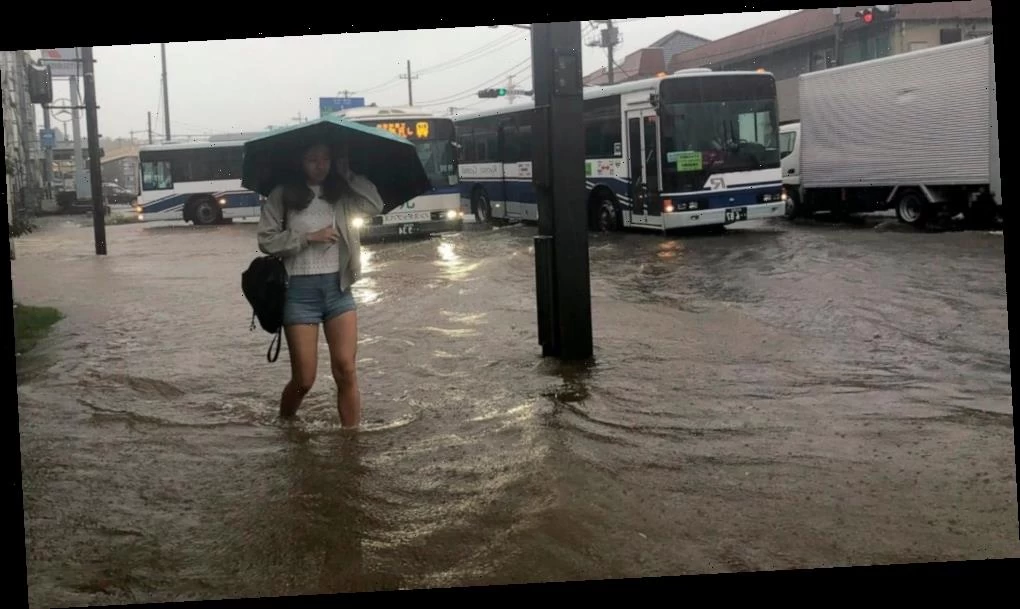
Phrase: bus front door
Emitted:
{"points": [[643, 166]]}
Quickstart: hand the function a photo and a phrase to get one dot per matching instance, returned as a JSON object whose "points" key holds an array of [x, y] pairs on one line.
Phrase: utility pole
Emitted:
{"points": [[837, 60], [608, 39], [79, 162], [150, 126], [166, 94], [92, 128], [562, 275], [48, 154], [410, 96]]}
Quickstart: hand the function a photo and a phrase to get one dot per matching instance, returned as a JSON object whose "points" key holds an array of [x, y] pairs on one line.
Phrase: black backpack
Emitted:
{"points": [[264, 284]]}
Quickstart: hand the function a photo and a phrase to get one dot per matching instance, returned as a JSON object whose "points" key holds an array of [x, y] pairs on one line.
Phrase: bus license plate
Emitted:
{"points": [[406, 216], [736, 215]]}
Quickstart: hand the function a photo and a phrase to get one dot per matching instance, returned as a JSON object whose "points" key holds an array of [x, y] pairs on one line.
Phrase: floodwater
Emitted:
{"points": [[778, 396]]}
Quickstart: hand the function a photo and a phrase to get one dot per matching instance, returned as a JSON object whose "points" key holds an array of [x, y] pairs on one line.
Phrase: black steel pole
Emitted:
{"points": [[563, 282], [95, 168]]}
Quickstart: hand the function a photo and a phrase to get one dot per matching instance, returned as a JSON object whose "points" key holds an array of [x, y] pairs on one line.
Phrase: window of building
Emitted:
{"points": [[950, 35]]}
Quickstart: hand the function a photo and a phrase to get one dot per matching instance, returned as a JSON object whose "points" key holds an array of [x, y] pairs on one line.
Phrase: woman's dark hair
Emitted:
{"points": [[296, 193]]}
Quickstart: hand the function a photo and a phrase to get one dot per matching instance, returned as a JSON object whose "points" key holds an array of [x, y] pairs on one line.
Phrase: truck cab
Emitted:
{"points": [[789, 155]]}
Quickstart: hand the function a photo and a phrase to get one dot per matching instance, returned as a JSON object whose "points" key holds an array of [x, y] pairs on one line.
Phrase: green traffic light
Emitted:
{"points": [[500, 92]]}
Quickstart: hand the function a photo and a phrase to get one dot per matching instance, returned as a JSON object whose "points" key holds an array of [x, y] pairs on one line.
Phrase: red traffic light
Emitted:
{"points": [[867, 17]]}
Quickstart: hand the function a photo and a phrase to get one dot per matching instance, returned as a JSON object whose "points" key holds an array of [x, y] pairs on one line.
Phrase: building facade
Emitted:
{"points": [[806, 41], [22, 151]]}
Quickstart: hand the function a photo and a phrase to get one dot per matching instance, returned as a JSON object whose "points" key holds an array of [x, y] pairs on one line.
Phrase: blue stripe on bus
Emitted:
{"points": [[234, 199], [522, 190]]}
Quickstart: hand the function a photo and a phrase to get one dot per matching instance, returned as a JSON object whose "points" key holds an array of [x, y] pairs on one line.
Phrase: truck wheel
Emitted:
{"points": [[792, 206], [911, 207]]}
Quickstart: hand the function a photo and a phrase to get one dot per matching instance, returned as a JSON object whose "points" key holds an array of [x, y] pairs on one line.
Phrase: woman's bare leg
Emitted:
{"points": [[303, 345], [342, 336]]}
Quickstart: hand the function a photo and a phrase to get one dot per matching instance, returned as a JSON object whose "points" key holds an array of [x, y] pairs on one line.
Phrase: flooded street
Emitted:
{"points": [[779, 396]]}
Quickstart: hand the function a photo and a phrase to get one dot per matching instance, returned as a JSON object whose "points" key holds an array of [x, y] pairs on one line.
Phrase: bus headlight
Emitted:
{"points": [[451, 215], [358, 222], [141, 218], [223, 201]]}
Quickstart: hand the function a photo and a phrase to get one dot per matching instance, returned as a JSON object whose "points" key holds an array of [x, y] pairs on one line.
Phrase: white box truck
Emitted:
{"points": [[915, 132]]}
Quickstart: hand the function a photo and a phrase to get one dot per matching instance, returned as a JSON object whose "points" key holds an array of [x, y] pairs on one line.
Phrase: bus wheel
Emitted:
{"points": [[483, 210], [605, 218], [206, 212]]}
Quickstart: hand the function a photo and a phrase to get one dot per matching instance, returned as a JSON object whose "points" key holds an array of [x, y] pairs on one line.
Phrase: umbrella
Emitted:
{"points": [[389, 161]]}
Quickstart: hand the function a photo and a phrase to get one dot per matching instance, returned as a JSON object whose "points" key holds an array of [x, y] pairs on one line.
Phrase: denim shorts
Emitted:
{"points": [[315, 299]]}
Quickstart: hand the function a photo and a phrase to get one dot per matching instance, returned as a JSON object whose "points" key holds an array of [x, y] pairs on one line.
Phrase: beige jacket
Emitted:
{"points": [[276, 241]]}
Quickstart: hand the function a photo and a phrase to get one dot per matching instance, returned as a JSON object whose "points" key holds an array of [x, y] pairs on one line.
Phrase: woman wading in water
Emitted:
{"points": [[322, 255]]}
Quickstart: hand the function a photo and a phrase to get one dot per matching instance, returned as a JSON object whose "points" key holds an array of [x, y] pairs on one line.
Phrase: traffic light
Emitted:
{"points": [[492, 93], [875, 13], [40, 83]]}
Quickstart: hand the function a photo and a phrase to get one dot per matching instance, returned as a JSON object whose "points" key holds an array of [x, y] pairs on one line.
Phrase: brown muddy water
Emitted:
{"points": [[778, 396]]}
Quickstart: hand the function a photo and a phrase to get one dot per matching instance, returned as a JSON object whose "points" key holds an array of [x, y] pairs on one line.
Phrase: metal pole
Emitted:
{"points": [[410, 96], [150, 126], [837, 58], [562, 275], [166, 93], [48, 169], [98, 205], [610, 41], [79, 162]]}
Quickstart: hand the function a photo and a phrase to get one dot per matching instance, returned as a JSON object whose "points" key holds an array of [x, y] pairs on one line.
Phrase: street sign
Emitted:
{"points": [[47, 138], [63, 61], [329, 105]]}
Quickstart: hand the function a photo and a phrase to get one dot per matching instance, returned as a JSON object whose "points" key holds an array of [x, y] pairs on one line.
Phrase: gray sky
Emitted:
{"points": [[245, 85]]}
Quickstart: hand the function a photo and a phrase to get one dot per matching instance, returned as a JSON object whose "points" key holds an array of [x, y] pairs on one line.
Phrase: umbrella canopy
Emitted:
{"points": [[389, 161]]}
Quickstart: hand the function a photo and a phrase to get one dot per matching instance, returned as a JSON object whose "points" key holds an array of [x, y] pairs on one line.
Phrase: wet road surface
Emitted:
{"points": [[779, 396]]}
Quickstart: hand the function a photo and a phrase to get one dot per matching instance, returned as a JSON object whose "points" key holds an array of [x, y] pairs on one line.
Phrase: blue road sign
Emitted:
{"points": [[329, 105], [47, 138]]}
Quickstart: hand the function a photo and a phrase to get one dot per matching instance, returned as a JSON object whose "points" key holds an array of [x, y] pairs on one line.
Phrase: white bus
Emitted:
{"points": [[198, 182], [695, 148], [433, 136]]}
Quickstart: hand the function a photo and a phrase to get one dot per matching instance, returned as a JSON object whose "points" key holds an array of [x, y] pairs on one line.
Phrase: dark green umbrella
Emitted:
{"points": [[389, 161]]}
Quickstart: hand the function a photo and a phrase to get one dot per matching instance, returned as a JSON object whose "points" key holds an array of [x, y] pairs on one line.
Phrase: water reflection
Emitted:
{"points": [[669, 249], [365, 291], [327, 501], [452, 263]]}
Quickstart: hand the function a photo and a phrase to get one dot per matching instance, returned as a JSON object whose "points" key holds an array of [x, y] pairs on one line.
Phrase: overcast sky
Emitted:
{"points": [[245, 85]]}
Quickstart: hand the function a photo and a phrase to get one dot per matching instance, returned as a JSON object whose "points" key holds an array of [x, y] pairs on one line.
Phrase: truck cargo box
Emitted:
{"points": [[923, 117]]}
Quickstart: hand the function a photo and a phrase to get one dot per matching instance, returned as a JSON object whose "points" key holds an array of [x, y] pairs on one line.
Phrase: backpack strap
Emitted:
{"points": [[277, 340]]}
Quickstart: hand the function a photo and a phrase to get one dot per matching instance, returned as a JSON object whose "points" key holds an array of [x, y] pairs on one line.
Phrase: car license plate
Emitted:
{"points": [[406, 216], [736, 214]]}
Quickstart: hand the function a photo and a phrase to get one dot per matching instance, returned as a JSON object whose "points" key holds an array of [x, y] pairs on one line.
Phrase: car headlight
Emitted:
{"points": [[358, 222], [452, 214]]}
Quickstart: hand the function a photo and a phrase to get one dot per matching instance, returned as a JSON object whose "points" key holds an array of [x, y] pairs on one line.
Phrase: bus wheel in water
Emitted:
{"points": [[206, 212], [483, 210], [604, 214]]}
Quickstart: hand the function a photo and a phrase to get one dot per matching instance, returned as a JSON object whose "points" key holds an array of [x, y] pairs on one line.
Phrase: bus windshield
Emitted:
{"points": [[437, 158], [433, 138], [717, 124]]}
